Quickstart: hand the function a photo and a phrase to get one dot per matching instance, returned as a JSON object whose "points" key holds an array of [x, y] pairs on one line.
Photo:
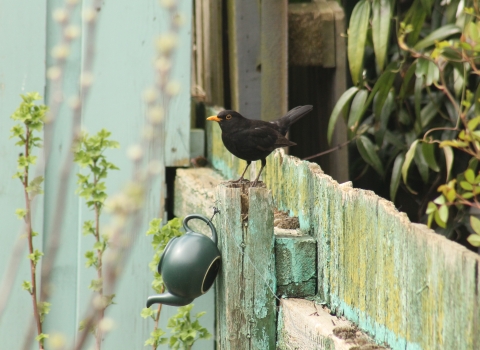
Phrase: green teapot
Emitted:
{"points": [[189, 265]]}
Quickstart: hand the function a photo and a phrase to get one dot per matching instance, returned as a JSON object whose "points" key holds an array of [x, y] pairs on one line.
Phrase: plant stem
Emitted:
{"points": [[99, 269], [157, 318], [28, 222]]}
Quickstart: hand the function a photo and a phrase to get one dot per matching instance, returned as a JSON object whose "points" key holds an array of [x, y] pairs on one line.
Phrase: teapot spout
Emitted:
{"points": [[168, 299]]}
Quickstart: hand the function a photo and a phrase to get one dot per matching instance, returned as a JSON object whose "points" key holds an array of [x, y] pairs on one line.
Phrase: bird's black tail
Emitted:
{"points": [[291, 117]]}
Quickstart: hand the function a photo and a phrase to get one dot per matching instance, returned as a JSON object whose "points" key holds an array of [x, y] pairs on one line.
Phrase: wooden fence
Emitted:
{"points": [[401, 283]]}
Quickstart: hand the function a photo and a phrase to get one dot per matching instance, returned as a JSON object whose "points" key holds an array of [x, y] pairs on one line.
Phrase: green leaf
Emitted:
{"points": [[367, 151], [382, 124], [477, 101], [429, 112], [396, 175], [96, 285], [40, 337], [35, 256], [406, 80], [357, 37], [473, 123], [200, 314], [99, 246], [356, 109], [470, 176], [475, 223], [427, 69], [453, 143], [381, 21], [21, 213], [437, 35], [448, 159], [443, 213], [408, 159], [466, 185], [416, 17], [384, 82], [422, 164], [428, 150], [474, 240], [43, 309], [146, 312], [27, 285], [341, 103]]}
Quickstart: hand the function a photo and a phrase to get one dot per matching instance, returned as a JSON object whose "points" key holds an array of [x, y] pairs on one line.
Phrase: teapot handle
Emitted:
{"points": [[203, 218]]}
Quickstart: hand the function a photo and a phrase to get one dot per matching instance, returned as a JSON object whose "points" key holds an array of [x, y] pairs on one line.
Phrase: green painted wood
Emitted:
{"points": [[400, 282], [22, 69], [122, 72], [125, 49], [295, 264], [64, 307], [245, 303]]}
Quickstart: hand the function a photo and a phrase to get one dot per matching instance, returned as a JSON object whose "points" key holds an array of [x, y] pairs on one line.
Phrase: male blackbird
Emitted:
{"points": [[252, 140]]}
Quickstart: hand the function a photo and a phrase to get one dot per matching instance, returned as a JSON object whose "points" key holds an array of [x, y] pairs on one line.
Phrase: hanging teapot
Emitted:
{"points": [[189, 265]]}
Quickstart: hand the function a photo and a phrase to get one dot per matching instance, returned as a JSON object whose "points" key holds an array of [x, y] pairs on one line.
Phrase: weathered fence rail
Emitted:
{"points": [[400, 282]]}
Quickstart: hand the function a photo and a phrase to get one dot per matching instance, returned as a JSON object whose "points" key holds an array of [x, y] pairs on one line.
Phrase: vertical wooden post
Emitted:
{"points": [[244, 52], [274, 54], [245, 287]]}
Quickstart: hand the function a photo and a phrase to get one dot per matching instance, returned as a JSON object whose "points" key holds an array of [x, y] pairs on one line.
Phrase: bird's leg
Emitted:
{"points": [[241, 177], [264, 162]]}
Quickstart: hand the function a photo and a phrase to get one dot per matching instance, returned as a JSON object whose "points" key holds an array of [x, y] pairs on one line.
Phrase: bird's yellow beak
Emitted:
{"points": [[214, 118]]}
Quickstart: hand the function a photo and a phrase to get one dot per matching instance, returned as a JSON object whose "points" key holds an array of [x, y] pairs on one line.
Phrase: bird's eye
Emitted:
{"points": [[229, 116]]}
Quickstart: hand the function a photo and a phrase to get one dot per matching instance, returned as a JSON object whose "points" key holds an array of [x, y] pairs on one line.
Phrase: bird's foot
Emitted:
{"points": [[257, 183], [240, 180]]}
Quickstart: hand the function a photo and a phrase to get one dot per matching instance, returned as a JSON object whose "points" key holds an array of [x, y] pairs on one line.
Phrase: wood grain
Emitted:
{"points": [[245, 300]]}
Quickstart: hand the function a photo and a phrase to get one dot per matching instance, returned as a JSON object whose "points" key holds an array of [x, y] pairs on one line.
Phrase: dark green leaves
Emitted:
{"points": [[437, 35], [381, 21], [356, 109], [369, 155], [357, 36], [341, 103], [396, 175], [427, 69], [408, 160]]}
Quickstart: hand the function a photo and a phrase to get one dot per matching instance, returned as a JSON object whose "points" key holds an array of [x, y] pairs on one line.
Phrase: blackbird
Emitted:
{"points": [[252, 140]]}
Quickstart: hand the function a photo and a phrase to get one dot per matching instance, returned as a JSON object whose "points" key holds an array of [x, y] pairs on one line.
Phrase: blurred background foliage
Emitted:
{"points": [[413, 109]]}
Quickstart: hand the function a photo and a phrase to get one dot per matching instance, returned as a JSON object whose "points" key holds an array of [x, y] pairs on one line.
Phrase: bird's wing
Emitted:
{"points": [[263, 138]]}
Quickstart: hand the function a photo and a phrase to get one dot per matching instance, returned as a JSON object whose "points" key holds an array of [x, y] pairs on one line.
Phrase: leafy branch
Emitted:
{"points": [[89, 153], [31, 118], [414, 105]]}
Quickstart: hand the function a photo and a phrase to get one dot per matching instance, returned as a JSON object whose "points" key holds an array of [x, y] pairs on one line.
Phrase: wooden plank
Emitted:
{"points": [[117, 106], [22, 70], [274, 52], [305, 325], [213, 31], [339, 169], [244, 54], [245, 299], [295, 263]]}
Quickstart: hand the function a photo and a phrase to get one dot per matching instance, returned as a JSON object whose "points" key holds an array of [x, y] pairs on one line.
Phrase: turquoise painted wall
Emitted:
{"points": [[123, 69]]}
